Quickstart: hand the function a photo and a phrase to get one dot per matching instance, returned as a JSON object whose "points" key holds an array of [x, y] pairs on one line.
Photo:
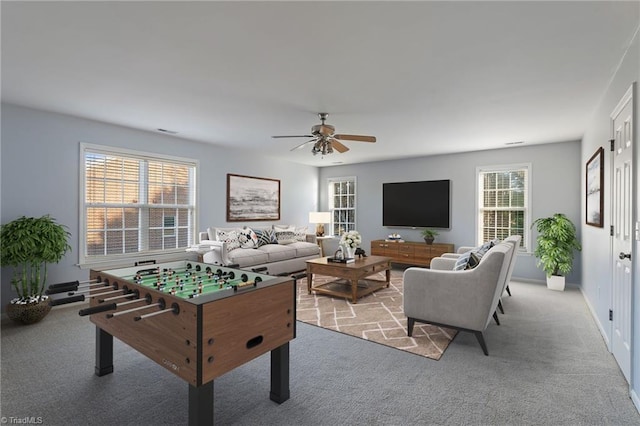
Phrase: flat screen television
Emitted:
{"points": [[416, 204]]}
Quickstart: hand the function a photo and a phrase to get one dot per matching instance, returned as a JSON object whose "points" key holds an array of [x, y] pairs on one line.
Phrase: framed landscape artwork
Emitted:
{"points": [[594, 188], [252, 198]]}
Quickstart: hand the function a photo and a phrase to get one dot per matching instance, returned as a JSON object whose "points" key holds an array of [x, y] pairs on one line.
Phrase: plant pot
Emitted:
{"points": [[429, 240], [28, 313], [555, 282]]}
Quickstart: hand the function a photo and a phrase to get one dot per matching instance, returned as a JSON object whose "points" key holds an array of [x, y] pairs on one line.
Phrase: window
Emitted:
{"points": [[134, 204], [342, 204], [503, 203]]}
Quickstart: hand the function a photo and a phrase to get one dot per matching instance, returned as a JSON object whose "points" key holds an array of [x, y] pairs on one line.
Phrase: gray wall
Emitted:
{"points": [[40, 175], [555, 187], [596, 283]]}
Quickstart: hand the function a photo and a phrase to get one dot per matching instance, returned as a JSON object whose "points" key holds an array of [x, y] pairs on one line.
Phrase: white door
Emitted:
{"points": [[622, 212]]}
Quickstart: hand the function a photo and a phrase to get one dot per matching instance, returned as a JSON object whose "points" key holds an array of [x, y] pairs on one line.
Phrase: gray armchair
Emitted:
{"points": [[463, 300]]}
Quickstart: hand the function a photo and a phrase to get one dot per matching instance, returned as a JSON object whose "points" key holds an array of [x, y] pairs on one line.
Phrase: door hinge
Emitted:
{"points": [[611, 230], [610, 314], [612, 142]]}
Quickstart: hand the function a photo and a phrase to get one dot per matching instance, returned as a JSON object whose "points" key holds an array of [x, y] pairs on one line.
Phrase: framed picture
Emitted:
{"points": [[252, 198], [595, 186]]}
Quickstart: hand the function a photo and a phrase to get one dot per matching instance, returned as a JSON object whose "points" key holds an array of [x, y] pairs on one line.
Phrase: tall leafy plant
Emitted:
{"points": [[28, 244], [556, 243]]}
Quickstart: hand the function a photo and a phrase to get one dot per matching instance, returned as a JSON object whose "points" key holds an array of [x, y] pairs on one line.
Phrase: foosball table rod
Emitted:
{"points": [[117, 314], [174, 308], [66, 287]]}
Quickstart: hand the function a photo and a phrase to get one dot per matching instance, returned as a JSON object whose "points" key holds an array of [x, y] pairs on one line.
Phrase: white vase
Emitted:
{"points": [[555, 282], [350, 252]]}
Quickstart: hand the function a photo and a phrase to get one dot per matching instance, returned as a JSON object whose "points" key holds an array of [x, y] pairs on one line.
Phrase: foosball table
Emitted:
{"points": [[197, 320]]}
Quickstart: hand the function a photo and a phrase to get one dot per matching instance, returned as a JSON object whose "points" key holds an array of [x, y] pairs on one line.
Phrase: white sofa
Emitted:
{"points": [[280, 249]]}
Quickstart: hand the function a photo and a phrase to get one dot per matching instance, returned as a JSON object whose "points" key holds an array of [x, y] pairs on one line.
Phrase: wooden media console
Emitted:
{"points": [[409, 252]]}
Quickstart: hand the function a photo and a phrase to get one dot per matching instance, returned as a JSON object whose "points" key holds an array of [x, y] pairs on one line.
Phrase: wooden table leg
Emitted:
{"points": [[354, 291], [309, 280], [388, 272]]}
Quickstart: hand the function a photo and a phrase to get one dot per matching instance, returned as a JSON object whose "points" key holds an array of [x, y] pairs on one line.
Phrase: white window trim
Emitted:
{"points": [[330, 182], [130, 258], [526, 249]]}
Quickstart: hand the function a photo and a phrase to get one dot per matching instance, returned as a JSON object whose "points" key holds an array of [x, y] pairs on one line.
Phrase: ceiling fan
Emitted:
{"points": [[325, 140]]}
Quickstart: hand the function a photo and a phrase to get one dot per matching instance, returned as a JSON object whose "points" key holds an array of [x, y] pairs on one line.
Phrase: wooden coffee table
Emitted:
{"points": [[351, 279]]}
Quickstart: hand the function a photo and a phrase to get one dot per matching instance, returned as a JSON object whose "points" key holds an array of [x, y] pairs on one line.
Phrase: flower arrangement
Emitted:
{"points": [[351, 239]]}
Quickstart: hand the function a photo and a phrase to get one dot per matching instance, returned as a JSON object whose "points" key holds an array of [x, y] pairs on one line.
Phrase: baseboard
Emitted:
{"points": [[594, 315]]}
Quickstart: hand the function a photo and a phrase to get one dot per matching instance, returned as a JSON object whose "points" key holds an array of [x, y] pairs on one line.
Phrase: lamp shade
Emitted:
{"points": [[319, 217]]}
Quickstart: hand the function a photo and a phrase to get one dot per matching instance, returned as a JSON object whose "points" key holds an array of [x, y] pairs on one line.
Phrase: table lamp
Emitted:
{"points": [[320, 218]]}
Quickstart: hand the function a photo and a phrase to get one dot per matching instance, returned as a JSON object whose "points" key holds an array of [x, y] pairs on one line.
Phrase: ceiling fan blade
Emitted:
{"points": [[338, 146], [358, 138], [294, 136], [302, 144]]}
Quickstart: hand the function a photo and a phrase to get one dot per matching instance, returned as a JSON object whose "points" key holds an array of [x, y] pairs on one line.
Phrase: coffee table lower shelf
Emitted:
{"points": [[352, 280], [343, 288]]}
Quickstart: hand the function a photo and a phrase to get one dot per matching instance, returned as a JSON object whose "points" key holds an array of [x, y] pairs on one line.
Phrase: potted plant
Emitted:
{"points": [[429, 235], [556, 243], [28, 244]]}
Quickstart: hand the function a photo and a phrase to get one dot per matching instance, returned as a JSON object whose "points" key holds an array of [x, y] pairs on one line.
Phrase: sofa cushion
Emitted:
{"points": [[300, 233], [305, 248], [230, 237], [285, 237], [265, 236], [247, 238], [248, 257], [467, 260], [276, 252]]}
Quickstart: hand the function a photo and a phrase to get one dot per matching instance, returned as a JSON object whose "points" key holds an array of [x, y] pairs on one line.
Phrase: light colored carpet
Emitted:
{"points": [[547, 366], [378, 317]]}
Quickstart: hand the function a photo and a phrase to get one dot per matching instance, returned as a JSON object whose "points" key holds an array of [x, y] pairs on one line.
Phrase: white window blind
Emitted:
{"points": [[135, 204], [503, 203]]}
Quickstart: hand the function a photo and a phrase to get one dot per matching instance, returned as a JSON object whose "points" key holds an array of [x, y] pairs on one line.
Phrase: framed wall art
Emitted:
{"points": [[594, 189], [252, 198]]}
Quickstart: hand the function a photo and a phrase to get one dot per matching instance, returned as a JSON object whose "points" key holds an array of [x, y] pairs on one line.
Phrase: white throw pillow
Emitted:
{"points": [[247, 238]]}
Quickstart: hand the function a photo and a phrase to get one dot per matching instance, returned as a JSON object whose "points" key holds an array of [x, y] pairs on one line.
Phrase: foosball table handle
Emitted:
{"points": [[97, 309], [65, 300]]}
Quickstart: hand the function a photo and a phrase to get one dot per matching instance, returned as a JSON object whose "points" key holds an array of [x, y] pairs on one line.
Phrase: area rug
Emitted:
{"points": [[377, 317]]}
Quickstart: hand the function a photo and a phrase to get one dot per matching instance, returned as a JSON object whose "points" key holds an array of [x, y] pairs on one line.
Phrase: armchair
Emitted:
{"points": [[463, 300]]}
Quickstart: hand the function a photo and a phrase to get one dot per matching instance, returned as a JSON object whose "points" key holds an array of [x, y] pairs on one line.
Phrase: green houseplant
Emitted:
{"points": [[429, 235], [555, 248], [28, 244]]}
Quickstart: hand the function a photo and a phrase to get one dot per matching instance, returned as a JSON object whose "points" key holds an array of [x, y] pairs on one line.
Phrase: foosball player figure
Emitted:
{"points": [[170, 272], [209, 275], [200, 288], [173, 291], [138, 279]]}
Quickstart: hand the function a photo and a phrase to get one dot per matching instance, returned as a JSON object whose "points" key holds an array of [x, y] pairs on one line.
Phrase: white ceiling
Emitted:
{"points": [[423, 77]]}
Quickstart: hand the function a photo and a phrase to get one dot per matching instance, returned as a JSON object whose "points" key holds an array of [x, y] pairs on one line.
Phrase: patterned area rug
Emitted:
{"points": [[378, 317]]}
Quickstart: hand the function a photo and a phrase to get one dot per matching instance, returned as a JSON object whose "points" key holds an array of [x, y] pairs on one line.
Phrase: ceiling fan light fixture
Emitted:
{"points": [[324, 138]]}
